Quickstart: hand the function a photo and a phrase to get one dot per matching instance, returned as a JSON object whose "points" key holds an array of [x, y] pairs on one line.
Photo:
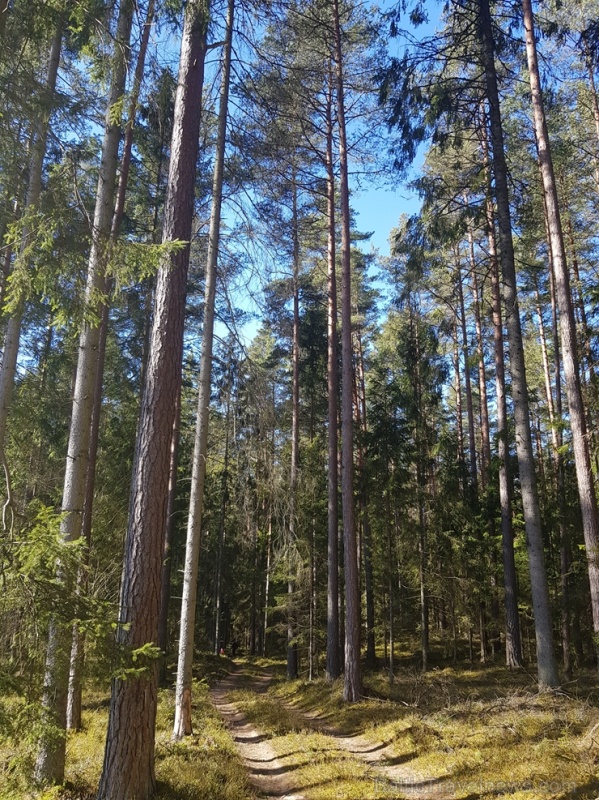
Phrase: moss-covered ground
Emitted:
{"points": [[473, 733]]}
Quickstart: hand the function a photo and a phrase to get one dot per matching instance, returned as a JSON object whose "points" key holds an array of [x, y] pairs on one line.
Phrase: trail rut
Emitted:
{"points": [[273, 779]]}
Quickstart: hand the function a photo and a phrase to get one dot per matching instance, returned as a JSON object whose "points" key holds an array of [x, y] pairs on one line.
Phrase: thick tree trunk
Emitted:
{"points": [[582, 460], [547, 668], [333, 669], [128, 769], [182, 725], [352, 689]]}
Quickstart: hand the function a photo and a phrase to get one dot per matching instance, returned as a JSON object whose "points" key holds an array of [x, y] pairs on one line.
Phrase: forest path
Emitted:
{"points": [[267, 774], [273, 779]]}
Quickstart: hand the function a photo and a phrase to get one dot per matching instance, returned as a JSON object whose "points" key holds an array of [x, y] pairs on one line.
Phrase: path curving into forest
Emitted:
{"points": [[273, 779], [267, 774]]}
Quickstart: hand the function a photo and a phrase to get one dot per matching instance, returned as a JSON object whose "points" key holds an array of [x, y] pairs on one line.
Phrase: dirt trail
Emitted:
{"points": [[266, 773], [271, 778]]}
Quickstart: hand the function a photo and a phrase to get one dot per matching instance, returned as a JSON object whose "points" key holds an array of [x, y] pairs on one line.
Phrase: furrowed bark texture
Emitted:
{"points": [[546, 664], [128, 770], [182, 725], [582, 459]]}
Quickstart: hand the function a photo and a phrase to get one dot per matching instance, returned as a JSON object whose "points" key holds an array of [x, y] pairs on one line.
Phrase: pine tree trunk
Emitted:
{"points": [[582, 460], [50, 762], [78, 640], [547, 668], [352, 689], [169, 532], [267, 579], [128, 771], [182, 724], [468, 384], [333, 667], [363, 499], [458, 401], [565, 551], [513, 638], [292, 663], [482, 376]]}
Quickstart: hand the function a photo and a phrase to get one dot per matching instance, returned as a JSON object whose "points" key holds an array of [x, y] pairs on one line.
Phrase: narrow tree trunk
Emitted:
{"points": [[267, 578], [547, 668], [513, 638], [292, 665], [333, 666], [169, 532], [482, 376], [3, 16], [365, 516], [50, 762], [34, 190], [590, 65], [565, 552], [182, 725], [422, 558], [458, 400], [352, 689], [582, 460], [222, 533], [128, 772], [468, 384], [78, 642]]}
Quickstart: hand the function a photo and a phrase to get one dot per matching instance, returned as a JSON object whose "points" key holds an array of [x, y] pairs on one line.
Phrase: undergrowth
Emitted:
{"points": [[202, 766]]}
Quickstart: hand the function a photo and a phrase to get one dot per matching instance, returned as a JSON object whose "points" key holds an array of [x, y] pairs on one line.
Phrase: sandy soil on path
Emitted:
{"points": [[273, 779], [266, 773]]}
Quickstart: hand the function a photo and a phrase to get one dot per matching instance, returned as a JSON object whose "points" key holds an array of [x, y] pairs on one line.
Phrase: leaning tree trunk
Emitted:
{"points": [[582, 459], [129, 771], [352, 688], [333, 667], [50, 762], [182, 726], [546, 663]]}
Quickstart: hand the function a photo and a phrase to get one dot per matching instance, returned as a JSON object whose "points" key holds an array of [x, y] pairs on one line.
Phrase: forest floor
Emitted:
{"points": [[324, 764], [473, 733]]}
